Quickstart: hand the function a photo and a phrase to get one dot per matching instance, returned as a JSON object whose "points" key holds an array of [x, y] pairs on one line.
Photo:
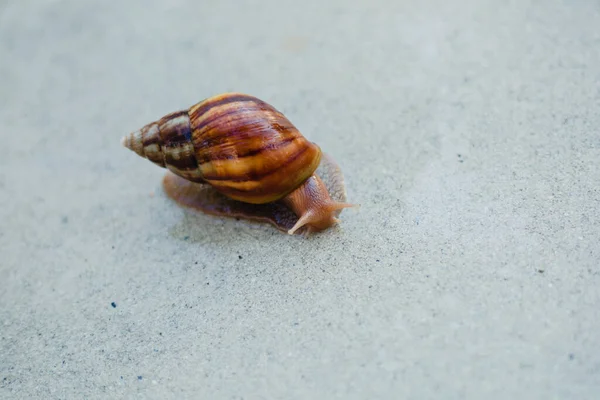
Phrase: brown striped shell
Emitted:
{"points": [[235, 155], [240, 145]]}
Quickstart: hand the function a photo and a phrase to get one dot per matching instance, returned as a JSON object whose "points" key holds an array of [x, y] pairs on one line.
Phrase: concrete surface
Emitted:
{"points": [[468, 130]]}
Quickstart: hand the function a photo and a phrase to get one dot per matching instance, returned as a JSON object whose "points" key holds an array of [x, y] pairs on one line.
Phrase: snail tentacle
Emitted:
{"points": [[314, 207]]}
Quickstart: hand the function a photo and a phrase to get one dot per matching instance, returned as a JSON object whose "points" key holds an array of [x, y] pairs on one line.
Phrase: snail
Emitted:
{"points": [[235, 155]]}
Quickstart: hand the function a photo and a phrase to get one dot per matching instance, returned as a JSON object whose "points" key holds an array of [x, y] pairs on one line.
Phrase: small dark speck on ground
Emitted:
{"points": [[541, 271], [240, 257], [65, 219], [571, 356], [377, 260], [139, 377], [121, 377], [113, 304], [186, 237]]}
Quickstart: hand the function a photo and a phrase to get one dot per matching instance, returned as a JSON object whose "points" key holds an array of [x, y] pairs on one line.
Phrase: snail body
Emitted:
{"points": [[244, 149]]}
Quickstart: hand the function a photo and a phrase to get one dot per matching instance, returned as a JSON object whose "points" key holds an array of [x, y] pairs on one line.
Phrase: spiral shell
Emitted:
{"points": [[240, 145]]}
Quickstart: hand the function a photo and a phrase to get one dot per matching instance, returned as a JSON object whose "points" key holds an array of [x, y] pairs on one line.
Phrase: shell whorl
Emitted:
{"points": [[168, 144], [240, 145]]}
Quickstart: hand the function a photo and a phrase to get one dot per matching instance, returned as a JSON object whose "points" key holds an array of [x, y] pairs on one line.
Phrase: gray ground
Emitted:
{"points": [[467, 130]]}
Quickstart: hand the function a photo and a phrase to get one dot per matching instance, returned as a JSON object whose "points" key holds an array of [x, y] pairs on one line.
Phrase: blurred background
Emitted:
{"points": [[467, 130]]}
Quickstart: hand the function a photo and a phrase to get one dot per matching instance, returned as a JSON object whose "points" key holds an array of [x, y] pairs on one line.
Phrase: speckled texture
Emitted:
{"points": [[468, 131]]}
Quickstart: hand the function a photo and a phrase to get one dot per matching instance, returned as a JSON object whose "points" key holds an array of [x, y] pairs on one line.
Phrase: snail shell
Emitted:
{"points": [[246, 151]]}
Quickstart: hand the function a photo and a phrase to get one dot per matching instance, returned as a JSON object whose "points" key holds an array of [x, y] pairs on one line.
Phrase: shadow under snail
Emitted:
{"points": [[235, 155]]}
